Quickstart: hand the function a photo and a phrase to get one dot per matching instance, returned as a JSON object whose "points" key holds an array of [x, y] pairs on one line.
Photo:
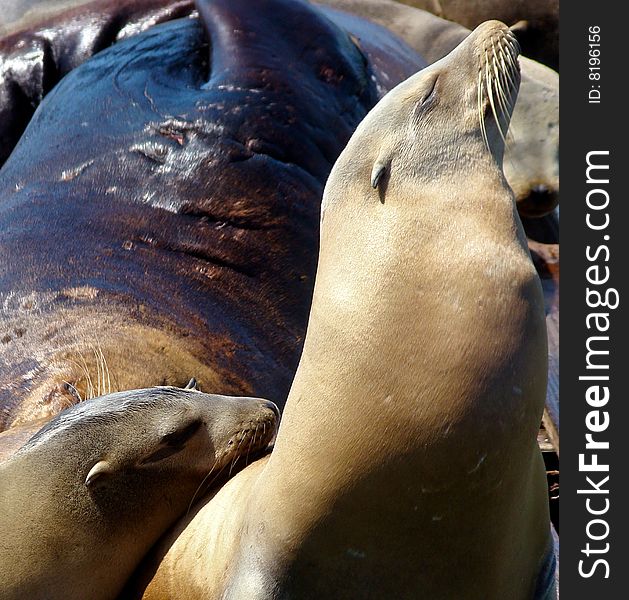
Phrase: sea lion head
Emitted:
{"points": [[103, 480], [443, 120], [165, 442]]}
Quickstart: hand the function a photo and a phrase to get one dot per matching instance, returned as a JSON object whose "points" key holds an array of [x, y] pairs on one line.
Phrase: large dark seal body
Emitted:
{"points": [[159, 216], [89, 494], [46, 45]]}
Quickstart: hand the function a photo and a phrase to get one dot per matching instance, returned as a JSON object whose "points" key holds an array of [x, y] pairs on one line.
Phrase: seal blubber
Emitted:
{"points": [[182, 237]]}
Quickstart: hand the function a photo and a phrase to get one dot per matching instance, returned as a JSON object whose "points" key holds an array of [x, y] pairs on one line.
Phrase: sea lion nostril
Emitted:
{"points": [[273, 407], [541, 189]]}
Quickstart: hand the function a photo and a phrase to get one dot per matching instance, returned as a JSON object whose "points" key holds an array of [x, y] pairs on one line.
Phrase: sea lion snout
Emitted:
{"points": [[273, 408], [242, 424], [493, 27]]}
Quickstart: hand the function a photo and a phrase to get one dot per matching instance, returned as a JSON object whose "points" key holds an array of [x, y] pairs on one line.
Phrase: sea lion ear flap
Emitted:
{"points": [[192, 385], [101, 469], [379, 169]]}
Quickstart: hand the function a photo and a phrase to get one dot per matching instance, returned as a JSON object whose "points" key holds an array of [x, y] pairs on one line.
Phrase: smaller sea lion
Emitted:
{"points": [[87, 496]]}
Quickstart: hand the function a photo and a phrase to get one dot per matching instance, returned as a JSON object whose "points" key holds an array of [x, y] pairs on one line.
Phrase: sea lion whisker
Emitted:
{"points": [[481, 113], [252, 442], [231, 467], [490, 93], [99, 390], [500, 81], [90, 381], [501, 95], [237, 454], [89, 392], [511, 74], [106, 372], [194, 496], [102, 370], [511, 85]]}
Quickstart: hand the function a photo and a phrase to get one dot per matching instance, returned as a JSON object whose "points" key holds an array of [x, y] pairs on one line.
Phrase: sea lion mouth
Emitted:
{"points": [[498, 80]]}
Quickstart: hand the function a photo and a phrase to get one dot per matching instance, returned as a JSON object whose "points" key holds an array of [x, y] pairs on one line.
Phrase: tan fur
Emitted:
{"points": [[13, 439], [94, 351], [406, 464]]}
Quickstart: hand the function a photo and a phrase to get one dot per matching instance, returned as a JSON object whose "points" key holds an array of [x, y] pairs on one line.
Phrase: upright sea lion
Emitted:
{"points": [[89, 494], [177, 232], [406, 464]]}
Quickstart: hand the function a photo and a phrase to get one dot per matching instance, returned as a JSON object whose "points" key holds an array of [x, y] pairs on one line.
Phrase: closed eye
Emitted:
{"points": [[172, 443], [430, 95], [180, 437]]}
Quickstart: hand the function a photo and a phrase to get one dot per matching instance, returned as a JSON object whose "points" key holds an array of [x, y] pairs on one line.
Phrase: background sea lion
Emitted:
{"points": [[89, 494], [410, 429], [539, 35]]}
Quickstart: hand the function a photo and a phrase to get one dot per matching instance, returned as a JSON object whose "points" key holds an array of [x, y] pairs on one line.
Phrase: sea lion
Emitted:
{"points": [[177, 232], [409, 434], [85, 498], [540, 30]]}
